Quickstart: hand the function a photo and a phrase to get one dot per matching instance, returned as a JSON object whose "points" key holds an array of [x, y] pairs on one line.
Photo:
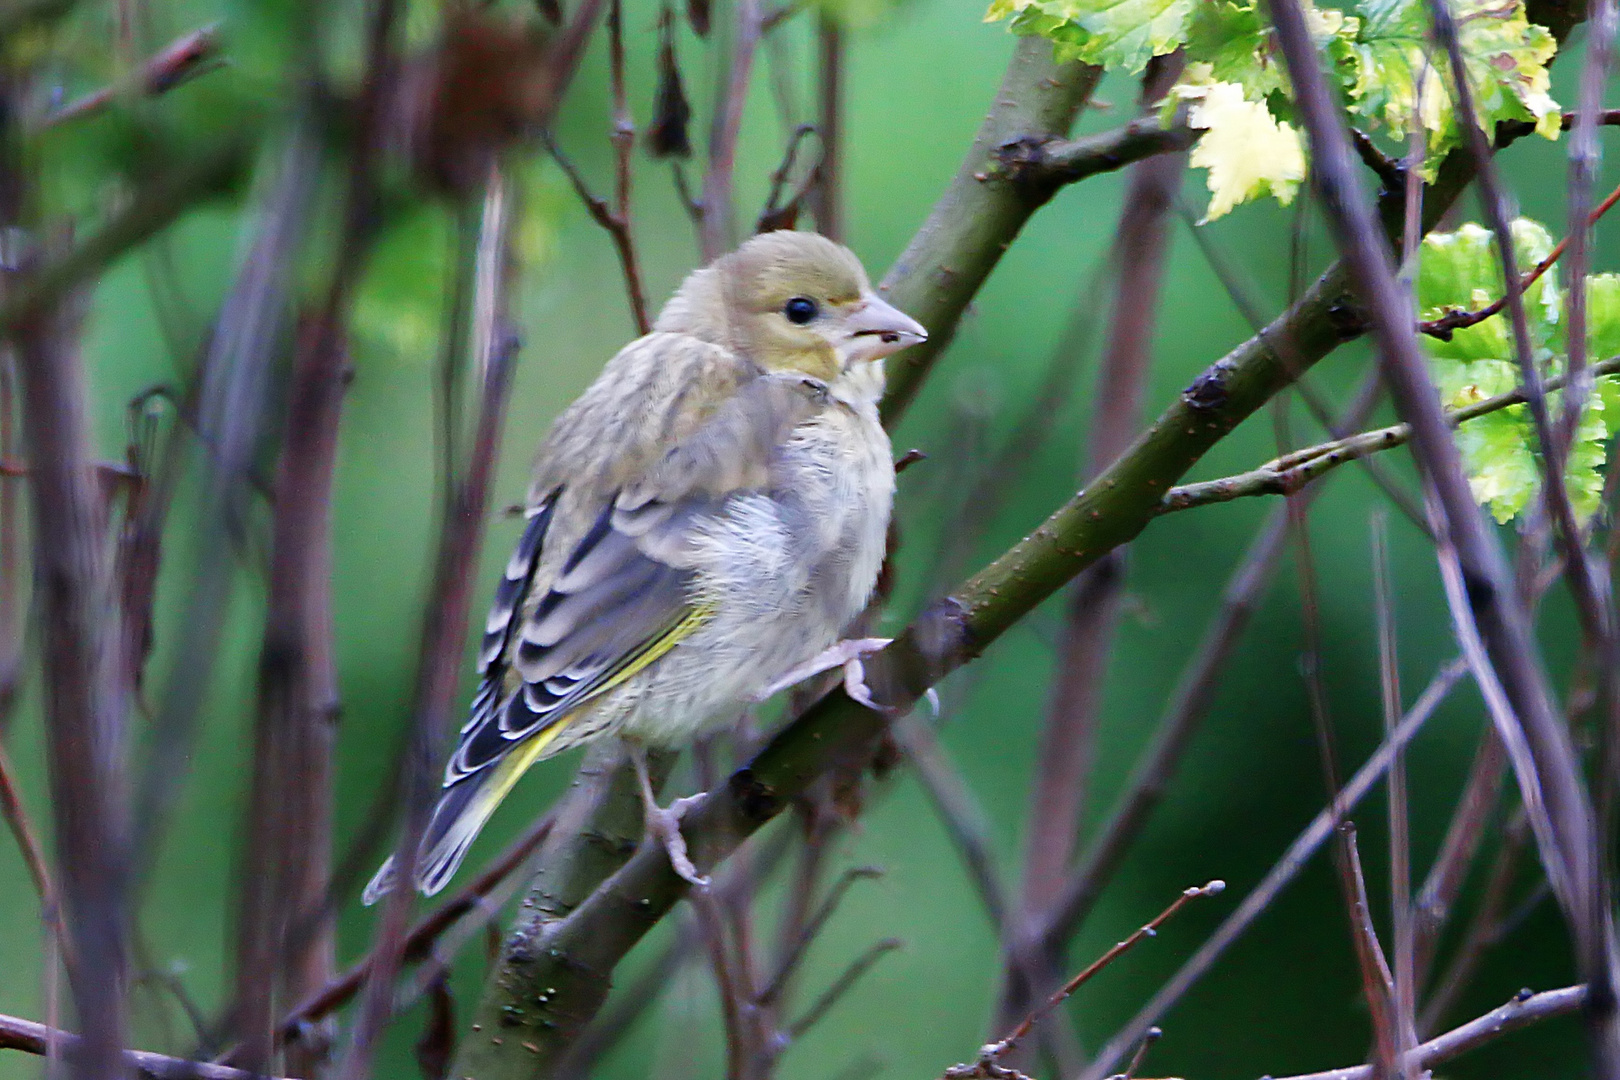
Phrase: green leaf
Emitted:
{"points": [[1393, 76], [1116, 34], [1247, 151], [1459, 270]]}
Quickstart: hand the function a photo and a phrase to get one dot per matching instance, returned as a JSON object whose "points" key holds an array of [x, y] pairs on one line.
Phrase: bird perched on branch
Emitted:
{"points": [[703, 522]]}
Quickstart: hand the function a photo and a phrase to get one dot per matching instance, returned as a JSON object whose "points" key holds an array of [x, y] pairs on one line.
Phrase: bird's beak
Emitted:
{"points": [[878, 329]]}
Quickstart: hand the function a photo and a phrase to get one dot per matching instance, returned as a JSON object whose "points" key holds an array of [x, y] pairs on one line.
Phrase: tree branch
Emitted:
{"points": [[35, 1038], [1525, 1009], [1290, 473]]}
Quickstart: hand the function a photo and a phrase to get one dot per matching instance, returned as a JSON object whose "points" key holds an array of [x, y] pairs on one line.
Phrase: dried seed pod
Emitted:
{"points": [[667, 135]]}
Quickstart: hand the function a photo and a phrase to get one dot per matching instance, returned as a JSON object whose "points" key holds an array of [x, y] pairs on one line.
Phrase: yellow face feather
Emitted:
{"points": [[791, 301]]}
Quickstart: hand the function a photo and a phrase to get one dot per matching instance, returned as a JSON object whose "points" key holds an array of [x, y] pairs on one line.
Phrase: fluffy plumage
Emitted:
{"points": [[704, 519]]}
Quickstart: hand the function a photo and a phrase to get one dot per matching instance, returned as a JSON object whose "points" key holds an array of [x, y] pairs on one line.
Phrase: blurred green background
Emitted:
{"points": [[921, 75]]}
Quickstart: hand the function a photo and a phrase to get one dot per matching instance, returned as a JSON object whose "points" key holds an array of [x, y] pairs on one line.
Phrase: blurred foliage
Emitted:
{"points": [[1286, 999]]}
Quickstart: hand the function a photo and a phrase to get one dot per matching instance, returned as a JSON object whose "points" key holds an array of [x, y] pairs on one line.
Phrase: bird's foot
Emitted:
{"points": [[850, 655], [664, 823]]}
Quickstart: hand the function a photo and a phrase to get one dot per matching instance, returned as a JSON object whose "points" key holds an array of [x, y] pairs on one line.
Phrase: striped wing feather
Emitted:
{"points": [[623, 595]]}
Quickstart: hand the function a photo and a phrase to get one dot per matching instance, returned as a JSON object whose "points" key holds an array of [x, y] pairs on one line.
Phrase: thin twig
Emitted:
{"points": [[718, 227], [1071, 726], [35, 1038], [1288, 474], [187, 57], [445, 622], [841, 986], [1403, 999], [1190, 701], [991, 1054], [813, 927], [1484, 928], [1377, 982], [16, 815], [1569, 846], [420, 940]]}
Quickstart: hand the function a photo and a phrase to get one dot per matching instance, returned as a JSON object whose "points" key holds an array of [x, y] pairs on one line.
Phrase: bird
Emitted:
{"points": [[702, 523]]}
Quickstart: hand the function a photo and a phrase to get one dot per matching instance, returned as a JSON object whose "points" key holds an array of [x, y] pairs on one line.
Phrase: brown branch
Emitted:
{"points": [[445, 623], [615, 218], [1067, 745], [1377, 982], [1404, 985], [35, 1038], [828, 199], [86, 700], [717, 227], [1525, 1009], [419, 941], [1188, 703], [187, 57], [151, 209], [991, 1055]]}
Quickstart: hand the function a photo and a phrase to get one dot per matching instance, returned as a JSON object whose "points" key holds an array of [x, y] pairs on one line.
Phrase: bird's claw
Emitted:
{"points": [[849, 655], [665, 824]]}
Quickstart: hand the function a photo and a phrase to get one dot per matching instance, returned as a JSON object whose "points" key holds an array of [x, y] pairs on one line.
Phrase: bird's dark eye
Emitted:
{"points": [[800, 310]]}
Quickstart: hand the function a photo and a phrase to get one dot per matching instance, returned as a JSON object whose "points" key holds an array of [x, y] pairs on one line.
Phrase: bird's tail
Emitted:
{"points": [[461, 812]]}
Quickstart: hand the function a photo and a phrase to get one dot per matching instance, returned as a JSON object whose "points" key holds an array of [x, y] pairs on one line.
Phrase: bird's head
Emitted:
{"points": [[792, 301]]}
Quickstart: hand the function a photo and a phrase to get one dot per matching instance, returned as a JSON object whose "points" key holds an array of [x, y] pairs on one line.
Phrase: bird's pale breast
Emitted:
{"points": [[785, 570]]}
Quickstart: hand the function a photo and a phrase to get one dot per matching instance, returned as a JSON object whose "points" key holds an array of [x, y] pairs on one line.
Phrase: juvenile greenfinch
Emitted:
{"points": [[704, 521]]}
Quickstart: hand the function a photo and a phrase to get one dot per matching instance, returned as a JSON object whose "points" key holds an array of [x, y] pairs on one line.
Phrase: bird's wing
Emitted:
{"points": [[619, 596]]}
